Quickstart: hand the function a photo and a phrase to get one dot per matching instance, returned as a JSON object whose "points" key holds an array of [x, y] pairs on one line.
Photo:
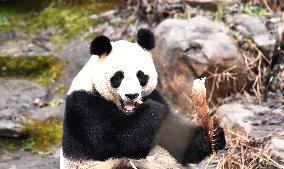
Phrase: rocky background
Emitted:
{"points": [[237, 45]]}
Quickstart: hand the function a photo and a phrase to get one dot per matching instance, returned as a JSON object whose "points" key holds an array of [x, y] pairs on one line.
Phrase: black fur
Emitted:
{"points": [[200, 146], [116, 79], [132, 96], [96, 129], [100, 45], [220, 141], [146, 39], [143, 79]]}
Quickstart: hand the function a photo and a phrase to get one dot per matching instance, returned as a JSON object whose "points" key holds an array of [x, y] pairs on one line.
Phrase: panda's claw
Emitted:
{"points": [[218, 141]]}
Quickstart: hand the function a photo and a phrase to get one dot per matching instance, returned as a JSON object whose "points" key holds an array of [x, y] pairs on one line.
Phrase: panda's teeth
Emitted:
{"points": [[128, 105], [139, 101]]}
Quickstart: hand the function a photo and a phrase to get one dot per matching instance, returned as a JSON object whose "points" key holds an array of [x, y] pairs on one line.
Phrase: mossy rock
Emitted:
{"points": [[43, 135], [45, 69]]}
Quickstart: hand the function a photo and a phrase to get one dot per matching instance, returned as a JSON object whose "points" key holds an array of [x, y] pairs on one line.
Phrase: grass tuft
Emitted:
{"points": [[45, 69], [44, 135]]}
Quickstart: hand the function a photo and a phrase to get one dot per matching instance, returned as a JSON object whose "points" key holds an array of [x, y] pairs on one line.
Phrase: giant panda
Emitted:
{"points": [[115, 111]]}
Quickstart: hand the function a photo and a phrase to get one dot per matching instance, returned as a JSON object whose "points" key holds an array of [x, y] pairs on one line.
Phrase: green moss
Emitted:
{"points": [[45, 69], [44, 135], [55, 102], [68, 19], [61, 89]]}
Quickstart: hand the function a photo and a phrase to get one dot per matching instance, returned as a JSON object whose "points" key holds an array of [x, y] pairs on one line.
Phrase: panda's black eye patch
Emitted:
{"points": [[116, 79], [143, 79]]}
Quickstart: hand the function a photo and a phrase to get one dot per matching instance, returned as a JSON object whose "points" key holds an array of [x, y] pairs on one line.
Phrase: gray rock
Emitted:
{"points": [[17, 44], [10, 129], [76, 54], [24, 160], [253, 119], [17, 97], [187, 49], [22, 48], [202, 40], [46, 112], [256, 121], [10, 34], [277, 147], [254, 27]]}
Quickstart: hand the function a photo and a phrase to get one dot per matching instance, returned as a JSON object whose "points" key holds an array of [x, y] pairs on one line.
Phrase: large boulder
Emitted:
{"points": [[254, 28], [189, 49], [17, 97]]}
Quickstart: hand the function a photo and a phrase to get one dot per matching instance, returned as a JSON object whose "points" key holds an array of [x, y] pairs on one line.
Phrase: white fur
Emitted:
{"points": [[126, 57], [158, 158], [84, 80], [62, 160], [66, 163]]}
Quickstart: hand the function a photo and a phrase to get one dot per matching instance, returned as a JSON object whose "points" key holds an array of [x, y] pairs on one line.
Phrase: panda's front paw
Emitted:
{"points": [[200, 146], [219, 141]]}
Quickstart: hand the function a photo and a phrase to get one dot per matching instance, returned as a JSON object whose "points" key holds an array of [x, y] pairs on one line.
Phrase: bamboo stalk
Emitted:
{"points": [[201, 108]]}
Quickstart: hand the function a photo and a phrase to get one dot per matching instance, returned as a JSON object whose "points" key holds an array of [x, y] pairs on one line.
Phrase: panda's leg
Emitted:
{"points": [[186, 142]]}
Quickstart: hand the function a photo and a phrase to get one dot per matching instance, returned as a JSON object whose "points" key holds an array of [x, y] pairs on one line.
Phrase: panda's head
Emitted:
{"points": [[123, 72]]}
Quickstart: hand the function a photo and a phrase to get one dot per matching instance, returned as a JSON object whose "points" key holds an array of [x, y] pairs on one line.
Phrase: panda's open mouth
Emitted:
{"points": [[129, 106]]}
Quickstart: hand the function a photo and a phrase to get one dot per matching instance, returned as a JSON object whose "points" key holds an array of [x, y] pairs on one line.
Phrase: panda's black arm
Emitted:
{"points": [[84, 136], [186, 142]]}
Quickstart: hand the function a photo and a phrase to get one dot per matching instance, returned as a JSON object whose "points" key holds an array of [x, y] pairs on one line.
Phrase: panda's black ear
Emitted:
{"points": [[146, 38], [100, 45]]}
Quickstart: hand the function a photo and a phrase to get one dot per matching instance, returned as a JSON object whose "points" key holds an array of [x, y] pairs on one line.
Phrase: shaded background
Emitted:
{"points": [[237, 45]]}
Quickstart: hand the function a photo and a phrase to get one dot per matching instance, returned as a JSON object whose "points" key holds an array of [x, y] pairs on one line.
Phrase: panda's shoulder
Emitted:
{"points": [[80, 96], [85, 100], [157, 96]]}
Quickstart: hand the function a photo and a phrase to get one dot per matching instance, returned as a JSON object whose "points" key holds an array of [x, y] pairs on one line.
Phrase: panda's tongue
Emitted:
{"points": [[129, 106]]}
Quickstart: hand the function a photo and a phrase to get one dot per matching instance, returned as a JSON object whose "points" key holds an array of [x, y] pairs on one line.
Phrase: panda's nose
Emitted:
{"points": [[132, 96]]}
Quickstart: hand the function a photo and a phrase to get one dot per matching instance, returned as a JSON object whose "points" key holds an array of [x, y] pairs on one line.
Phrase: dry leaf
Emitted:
{"points": [[201, 108]]}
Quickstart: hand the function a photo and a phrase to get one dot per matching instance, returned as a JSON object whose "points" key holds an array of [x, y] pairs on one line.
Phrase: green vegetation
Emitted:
{"points": [[45, 69], [222, 10], [61, 89], [44, 135], [55, 102], [255, 10], [68, 19]]}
